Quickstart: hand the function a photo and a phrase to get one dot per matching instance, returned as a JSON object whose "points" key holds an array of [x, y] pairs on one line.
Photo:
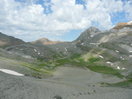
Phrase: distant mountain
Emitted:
{"points": [[45, 41], [61, 48], [25, 49], [6, 40], [122, 25]]}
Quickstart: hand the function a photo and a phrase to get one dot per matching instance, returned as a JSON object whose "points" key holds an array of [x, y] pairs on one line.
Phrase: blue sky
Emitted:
{"points": [[60, 19]]}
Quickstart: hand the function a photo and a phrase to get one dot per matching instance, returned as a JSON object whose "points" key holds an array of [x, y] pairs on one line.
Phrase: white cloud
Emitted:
{"points": [[28, 19], [128, 9]]}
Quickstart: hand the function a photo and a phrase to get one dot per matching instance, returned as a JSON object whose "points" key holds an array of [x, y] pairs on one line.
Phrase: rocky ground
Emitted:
{"points": [[67, 83]]}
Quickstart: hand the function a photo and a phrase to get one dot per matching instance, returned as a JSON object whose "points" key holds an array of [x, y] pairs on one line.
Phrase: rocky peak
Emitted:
{"points": [[123, 25], [92, 29], [88, 34], [45, 41]]}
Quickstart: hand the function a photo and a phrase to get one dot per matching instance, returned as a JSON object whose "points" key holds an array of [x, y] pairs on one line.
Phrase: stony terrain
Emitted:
{"points": [[67, 83]]}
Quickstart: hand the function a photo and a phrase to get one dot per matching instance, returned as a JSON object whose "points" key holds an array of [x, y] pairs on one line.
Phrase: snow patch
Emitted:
{"points": [[118, 67], [123, 68], [91, 35], [129, 23], [130, 51], [109, 63], [26, 56], [101, 56], [82, 43], [38, 53], [11, 72], [66, 49], [117, 51], [35, 50], [122, 58], [130, 56]]}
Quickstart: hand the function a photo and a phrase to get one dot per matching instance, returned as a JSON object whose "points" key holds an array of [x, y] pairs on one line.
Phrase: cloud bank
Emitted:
{"points": [[32, 19]]}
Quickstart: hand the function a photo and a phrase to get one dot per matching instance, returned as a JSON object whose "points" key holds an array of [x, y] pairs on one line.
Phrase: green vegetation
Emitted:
{"points": [[93, 59], [92, 64], [36, 71], [127, 83], [35, 68], [129, 76], [62, 61], [110, 57], [105, 70], [124, 84], [89, 61]]}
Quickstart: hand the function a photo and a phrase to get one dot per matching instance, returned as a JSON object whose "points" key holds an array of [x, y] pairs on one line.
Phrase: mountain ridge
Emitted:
{"points": [[116, 44], [45, 41], [6, 40]]}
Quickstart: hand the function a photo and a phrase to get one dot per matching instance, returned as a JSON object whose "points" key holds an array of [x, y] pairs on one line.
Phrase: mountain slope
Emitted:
{"points": [[6, 41], [113, 46], [33, 51]]}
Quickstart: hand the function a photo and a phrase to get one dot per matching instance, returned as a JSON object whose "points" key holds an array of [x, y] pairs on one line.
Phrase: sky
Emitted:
{"points": [[62, 20]]}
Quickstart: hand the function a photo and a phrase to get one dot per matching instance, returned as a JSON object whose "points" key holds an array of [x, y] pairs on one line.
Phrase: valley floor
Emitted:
{"points": [[67, 83]]}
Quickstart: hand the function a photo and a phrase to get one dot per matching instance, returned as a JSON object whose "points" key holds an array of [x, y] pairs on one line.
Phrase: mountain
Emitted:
{"points": [[122, 25], [71, 48], [104, 59], [113, 45], [45, 41], [87, 34], [25, 49], [88, 38], [91, 39], [6, 40]]}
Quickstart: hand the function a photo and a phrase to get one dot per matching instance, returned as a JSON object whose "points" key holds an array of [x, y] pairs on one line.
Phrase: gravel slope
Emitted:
{"points": [[67, 83]]}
